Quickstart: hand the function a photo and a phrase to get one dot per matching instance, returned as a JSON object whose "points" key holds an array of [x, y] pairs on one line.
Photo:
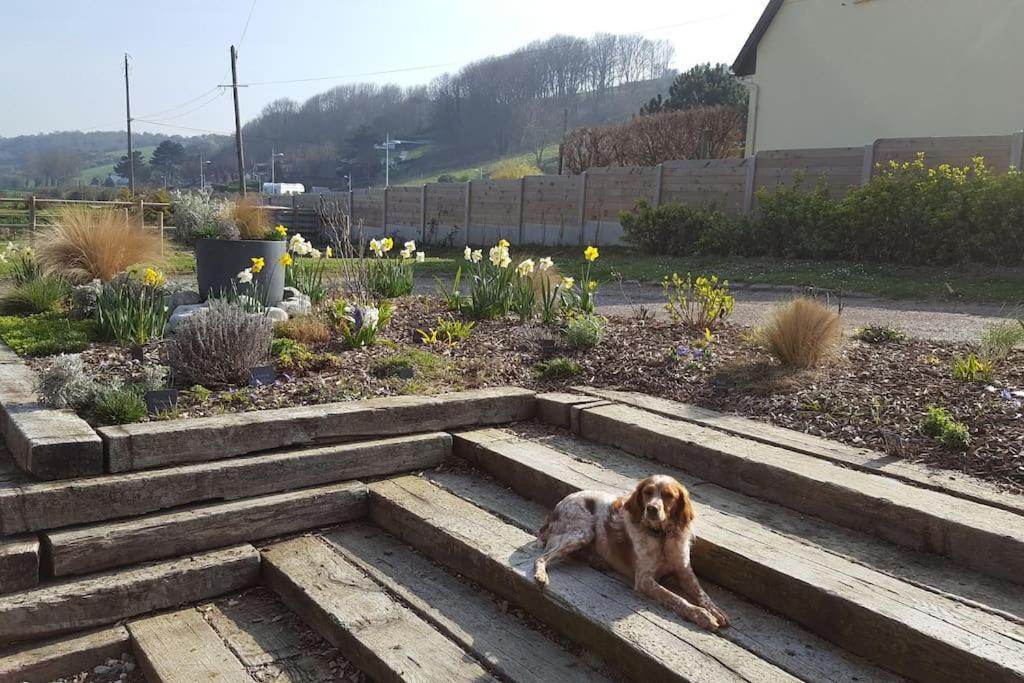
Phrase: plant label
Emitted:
{"points": [[161, 401], [262, 375]]}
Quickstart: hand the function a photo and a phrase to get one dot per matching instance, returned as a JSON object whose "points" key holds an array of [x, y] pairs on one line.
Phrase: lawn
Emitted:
{"points": [[103, 170], [474, 171], [996, 286]]}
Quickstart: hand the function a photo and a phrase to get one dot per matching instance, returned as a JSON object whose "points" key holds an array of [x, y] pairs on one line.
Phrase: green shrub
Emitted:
{"points": [[880, 334], [792, 222], [558, 368], [584, 332], [939, 424], [970, 368], [698, 304], [44, 294], [120, 405], [46, 334], [673, 229]]}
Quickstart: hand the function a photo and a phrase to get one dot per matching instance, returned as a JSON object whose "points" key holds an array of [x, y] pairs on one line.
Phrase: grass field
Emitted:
{"points": [[476, 170], [103, 170]]}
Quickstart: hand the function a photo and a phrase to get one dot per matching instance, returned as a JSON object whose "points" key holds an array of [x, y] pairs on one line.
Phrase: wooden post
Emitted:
{"points": [[869, 164], [142, 215], [748, 186], [522, 187], [659, 171], [160, 225], [469, 194], [1017, 151], [583, 206], [384, 211], [295, 213], [423, 213], [32, 217]]}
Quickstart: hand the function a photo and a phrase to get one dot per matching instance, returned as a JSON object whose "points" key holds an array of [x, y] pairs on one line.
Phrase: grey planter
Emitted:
{"points": [[218, 262]]}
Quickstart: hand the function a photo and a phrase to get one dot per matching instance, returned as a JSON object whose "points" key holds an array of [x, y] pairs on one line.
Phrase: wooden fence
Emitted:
{"points": [[36, 212], [584, 209]]}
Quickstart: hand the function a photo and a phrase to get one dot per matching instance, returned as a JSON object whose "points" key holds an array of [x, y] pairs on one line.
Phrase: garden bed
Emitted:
{"points": [[870, 395]]}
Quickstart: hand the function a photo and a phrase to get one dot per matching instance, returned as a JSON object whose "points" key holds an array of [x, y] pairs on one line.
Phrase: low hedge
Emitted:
{"points": [[908, 214]]}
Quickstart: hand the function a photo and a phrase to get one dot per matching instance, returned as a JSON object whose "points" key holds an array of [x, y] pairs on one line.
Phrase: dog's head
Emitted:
{"points": [[660, 503]]}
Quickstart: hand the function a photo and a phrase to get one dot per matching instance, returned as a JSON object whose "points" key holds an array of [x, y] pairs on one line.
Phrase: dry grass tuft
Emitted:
{"points": [[84, 244], [252, 221], [802, 333], [307, 329]]}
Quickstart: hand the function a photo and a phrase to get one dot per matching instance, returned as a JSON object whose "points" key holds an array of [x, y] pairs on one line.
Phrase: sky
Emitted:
{"points": [[64, 63]]}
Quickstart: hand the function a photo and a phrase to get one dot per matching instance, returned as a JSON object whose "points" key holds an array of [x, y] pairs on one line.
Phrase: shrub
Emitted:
{"points": [[939, 424], [120, 405], [672, 229], [802, 334], [85, 244], [999, 339], [44, 294], [698, 304], [197, 216], [584, 332], [66, 383], [880, 334], [970, 368], [793, 223], [252, 221], [307, 329], [514, 170], [359, 324], [558, 368], [131, 311], [219, 346], [46, 334]]}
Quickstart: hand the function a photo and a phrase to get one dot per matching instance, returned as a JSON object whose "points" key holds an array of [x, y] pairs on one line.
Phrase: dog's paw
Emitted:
{"points": [[703, 618], [721, 617]]}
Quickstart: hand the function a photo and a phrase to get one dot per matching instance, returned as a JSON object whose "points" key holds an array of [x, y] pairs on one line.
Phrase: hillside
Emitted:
{"points": [[106, 165]]}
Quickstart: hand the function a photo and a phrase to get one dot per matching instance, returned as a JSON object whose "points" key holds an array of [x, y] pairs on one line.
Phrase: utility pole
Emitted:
{"points": [[238, 121], [128, 111], [561, 143]]}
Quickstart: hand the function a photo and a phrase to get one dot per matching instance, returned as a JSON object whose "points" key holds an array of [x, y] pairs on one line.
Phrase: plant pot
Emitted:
{"points": [[218, 263]]}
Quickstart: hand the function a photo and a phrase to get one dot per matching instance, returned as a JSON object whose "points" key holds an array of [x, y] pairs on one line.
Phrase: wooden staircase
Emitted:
{"points": [[411, 559]]}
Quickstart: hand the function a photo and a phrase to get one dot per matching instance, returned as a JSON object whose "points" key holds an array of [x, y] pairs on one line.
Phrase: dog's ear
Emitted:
{"points": [[635, 502], [682, 512]]}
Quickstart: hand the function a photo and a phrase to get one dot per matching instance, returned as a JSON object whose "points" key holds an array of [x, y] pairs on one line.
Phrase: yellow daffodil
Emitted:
{"points": [[468, 254], [568, 282], [592, 285], [504, 244], [257, 264], [591, 253], [281, 231], [328, 252], [152, 278], [387, 244], [286, 260], [544, 264], [525, 268]]}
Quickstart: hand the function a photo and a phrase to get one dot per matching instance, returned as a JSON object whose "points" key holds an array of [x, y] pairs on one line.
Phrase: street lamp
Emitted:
{"points": [[273, 155], [202, 172], [349, 179]]}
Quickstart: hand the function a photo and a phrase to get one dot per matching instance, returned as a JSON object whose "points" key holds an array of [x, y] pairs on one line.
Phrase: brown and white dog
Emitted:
{"points": [[645, 536]]}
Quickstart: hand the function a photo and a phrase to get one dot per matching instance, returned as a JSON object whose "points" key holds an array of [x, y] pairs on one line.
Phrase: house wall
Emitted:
{"points": [[843, 73]]}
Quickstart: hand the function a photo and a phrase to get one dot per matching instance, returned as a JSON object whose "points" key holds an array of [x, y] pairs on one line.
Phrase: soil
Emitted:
{"points": [[867, 395]]}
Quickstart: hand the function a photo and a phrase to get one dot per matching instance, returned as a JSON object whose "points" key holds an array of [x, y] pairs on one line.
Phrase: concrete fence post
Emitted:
{"points": [[295, 213], [384, 210], [867, 168], [351, 212], [659, 171], [469, 194], [748, 186], [32, 217], [583, 206], [142, 215], [522, 187], [423, 213], [1017, 150]]}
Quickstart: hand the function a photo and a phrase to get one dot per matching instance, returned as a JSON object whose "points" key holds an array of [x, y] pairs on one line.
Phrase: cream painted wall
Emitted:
{"points": [[842, 73]]}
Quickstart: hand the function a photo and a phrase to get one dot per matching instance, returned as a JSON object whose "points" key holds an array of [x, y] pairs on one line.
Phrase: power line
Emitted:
{"points": [[208, 102], [246, 27], [345, 76]]}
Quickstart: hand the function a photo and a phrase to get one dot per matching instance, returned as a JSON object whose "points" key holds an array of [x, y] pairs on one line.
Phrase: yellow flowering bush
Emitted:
{"points": [[699, 304]]}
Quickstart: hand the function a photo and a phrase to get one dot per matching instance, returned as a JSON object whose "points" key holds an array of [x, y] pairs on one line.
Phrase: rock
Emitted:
{"points": [[297, 306], [183, 313], [292, 293], [83, 299], [184, 297], [101, 669], [277, 315]]}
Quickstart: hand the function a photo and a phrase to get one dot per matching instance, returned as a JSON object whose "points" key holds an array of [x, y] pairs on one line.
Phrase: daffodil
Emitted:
{"points": [[410, 246], [281, 231], [328, 252], [495, 255], [468, 254], [405, 253], [387, 244], [477, 256], [286, 260], [525, 268], [568, 282], [591, 285], [504, 244], [544, 264], [152, 278], [377, 247], [421, 256], [315, 253], [245, 277], [591, 253], [257, 263]]}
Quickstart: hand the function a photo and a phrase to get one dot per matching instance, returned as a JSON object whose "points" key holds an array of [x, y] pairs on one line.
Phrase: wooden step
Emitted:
{"points": [[987, 539], [769, 554], [80, 550], [19, 563], [180, 647], [173, 442], [38, 506], [381, 636], [947, 481], [99, 599], [65, 656], [463, 612], [587, 606]]}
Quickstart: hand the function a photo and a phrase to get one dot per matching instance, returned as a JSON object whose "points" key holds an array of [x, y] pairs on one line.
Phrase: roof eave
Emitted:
{"points": [[746, 60]]}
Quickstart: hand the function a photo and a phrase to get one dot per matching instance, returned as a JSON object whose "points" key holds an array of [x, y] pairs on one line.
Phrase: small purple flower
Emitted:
{"points": [[1006, 395], [683, 350]]}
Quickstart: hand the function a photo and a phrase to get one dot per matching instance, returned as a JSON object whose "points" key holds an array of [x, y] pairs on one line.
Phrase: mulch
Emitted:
{"points": [[867, 395]]}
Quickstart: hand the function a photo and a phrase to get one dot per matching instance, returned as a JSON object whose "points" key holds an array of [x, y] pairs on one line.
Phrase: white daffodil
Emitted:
{"points": [[377, 248], [568, 282], [478, 255], [245, 277], [410, 246], [544, 264], [525, 268], [315, 253], [405, 253], [468, 254], [421, 256]]}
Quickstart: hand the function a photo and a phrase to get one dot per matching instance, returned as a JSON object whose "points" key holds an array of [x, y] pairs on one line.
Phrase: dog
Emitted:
{"points": [[645, 536]]}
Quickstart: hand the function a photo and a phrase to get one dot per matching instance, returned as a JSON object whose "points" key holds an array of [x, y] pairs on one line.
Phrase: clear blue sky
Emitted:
{"points": [[61, 66]]}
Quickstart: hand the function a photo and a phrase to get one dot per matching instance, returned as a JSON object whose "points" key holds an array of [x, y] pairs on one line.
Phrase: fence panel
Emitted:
{"points": [[839, 167], [446, 213], [494, 211], [705, 182], [404, 210], [551, 209], [957, 151]]}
